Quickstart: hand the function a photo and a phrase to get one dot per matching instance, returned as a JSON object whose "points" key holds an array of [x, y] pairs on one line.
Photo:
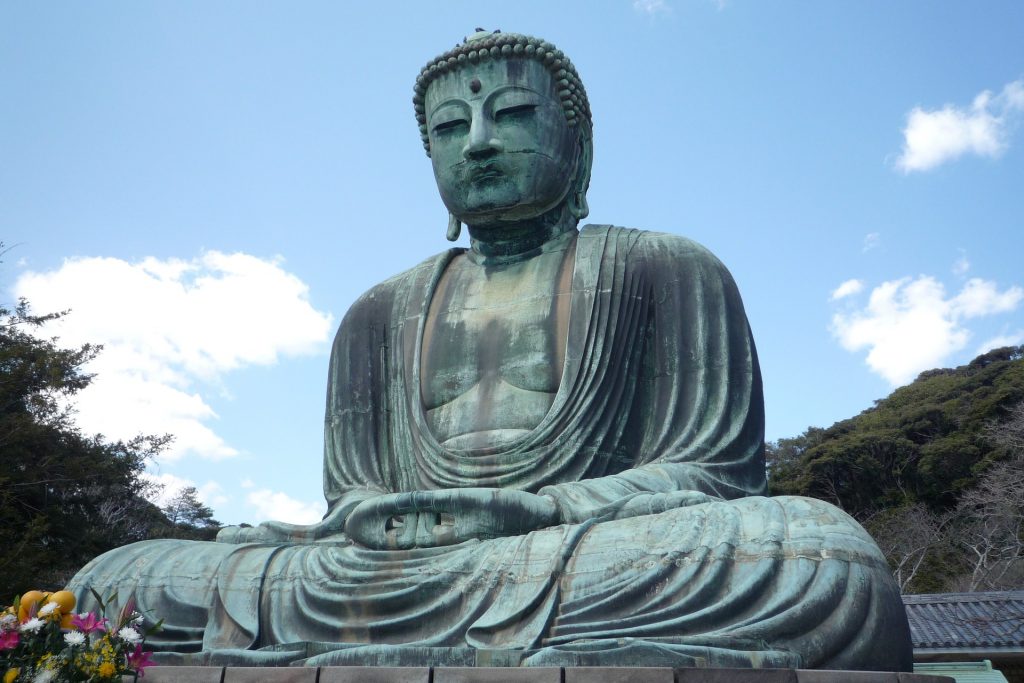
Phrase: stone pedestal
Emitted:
{"points": [[367, 674]]}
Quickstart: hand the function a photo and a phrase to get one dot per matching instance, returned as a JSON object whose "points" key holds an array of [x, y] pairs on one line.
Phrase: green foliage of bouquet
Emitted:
{"points": [[42, 640]]}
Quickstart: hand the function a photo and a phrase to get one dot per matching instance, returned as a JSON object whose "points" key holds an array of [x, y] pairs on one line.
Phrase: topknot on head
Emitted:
{"points": [[484, 45]]}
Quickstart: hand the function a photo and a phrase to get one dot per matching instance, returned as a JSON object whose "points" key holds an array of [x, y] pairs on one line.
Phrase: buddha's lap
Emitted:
{"points": [[677, 547]]}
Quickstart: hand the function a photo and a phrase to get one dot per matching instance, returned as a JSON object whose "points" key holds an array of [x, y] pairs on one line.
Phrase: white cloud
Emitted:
{"points": [[169, 486], [211, 493], [651, 7], [274, 505], [171, 329], [871, 240], [981, 297], [932, 138], [1000, 341], [848, 288], [247, 483], [910, 325]]}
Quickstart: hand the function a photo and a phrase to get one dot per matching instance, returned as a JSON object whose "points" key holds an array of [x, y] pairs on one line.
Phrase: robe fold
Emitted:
{"points": [[653, 451]]}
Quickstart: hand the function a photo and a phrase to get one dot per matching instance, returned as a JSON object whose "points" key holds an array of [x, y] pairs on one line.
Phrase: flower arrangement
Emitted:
{"points": [[42, 640]]}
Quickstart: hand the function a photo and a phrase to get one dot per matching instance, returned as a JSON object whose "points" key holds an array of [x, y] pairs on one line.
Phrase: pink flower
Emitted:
{"points": [[139, 660], [8, 640], [88, 623]]}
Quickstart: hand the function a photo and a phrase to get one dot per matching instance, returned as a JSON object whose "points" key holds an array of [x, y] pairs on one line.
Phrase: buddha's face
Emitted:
{"points": [[499, 141]]}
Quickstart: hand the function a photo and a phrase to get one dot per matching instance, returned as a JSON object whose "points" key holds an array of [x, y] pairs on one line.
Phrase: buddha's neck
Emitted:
{"points": [[513, 242]]}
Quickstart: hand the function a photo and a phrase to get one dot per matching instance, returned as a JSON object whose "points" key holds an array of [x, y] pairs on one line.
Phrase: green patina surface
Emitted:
{"points": [[544, 450]]}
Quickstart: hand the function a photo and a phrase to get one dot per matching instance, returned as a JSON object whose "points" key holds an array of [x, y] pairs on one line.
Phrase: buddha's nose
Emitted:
{"points": [[482, 142]]}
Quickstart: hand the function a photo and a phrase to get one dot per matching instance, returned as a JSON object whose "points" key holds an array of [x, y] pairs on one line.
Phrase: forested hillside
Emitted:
{"points": [[935, 471]]}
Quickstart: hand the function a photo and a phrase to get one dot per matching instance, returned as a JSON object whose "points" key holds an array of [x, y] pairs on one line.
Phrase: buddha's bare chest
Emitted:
{"points": [[494, 345]]}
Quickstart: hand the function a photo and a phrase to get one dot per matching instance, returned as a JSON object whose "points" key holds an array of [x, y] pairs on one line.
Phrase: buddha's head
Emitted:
{"points": [[506, 123]]}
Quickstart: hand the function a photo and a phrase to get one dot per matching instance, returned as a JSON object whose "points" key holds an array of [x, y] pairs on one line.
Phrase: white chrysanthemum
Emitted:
{"points": [[48, 609], [74, 638], [129, 635], [32, 625], [8, 620]]}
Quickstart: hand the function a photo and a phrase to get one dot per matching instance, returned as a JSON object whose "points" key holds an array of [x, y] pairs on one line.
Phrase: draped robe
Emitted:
{"points": [[667, 553]]}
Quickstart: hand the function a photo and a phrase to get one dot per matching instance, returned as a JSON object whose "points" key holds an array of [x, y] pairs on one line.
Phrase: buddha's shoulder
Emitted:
{"points": [[382, 296], [655, 250]]}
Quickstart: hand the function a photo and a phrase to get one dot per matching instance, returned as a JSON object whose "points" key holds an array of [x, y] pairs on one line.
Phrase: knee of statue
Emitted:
{"points": [[549, 444]]}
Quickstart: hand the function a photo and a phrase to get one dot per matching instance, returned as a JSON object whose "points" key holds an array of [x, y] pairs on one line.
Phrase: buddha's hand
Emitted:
{"points": [[283, 532], [641, 504], [426, 519]]}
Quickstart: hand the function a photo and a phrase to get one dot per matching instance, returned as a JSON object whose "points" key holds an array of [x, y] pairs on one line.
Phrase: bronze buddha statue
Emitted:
{"points": [[544, 450]]}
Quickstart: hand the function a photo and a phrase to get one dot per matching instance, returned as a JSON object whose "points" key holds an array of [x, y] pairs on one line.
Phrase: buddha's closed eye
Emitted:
{"points": [[519, 111], [453, 126]]}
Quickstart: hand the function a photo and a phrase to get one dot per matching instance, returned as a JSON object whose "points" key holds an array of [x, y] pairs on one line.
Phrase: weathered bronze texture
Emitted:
{"points": [[545, 450]]}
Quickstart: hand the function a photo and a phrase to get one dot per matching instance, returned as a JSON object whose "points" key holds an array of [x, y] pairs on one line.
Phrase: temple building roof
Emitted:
{"points": [[948, 622]]}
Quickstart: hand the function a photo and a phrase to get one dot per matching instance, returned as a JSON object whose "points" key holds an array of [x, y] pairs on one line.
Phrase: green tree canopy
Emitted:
{"points": [[925, 443]]}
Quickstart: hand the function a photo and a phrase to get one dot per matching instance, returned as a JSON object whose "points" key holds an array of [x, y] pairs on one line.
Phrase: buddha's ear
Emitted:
{"points": [[581, 183]]}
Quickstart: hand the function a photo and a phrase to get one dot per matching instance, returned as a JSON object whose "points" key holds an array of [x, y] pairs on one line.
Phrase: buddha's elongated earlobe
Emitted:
{"points": [[454, 227], [577, 203], [578, 206]]}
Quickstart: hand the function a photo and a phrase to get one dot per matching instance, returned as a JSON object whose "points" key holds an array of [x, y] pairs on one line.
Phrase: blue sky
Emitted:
{"points": [[208, 186]]}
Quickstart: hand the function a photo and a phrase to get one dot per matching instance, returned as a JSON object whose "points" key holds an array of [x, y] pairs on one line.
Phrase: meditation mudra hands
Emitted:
{"points": [[426, 519]]}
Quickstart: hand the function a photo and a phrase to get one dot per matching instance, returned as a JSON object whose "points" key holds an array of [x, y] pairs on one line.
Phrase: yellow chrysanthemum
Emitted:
{"points": [[107, 670], [11, 675]]}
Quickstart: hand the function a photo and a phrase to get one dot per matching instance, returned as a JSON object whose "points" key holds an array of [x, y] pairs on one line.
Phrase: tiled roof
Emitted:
{"points": [[975, 621]]}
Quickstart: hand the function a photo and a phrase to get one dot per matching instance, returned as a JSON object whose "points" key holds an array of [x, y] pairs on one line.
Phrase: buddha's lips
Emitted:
{"points": [[483, 172]]}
